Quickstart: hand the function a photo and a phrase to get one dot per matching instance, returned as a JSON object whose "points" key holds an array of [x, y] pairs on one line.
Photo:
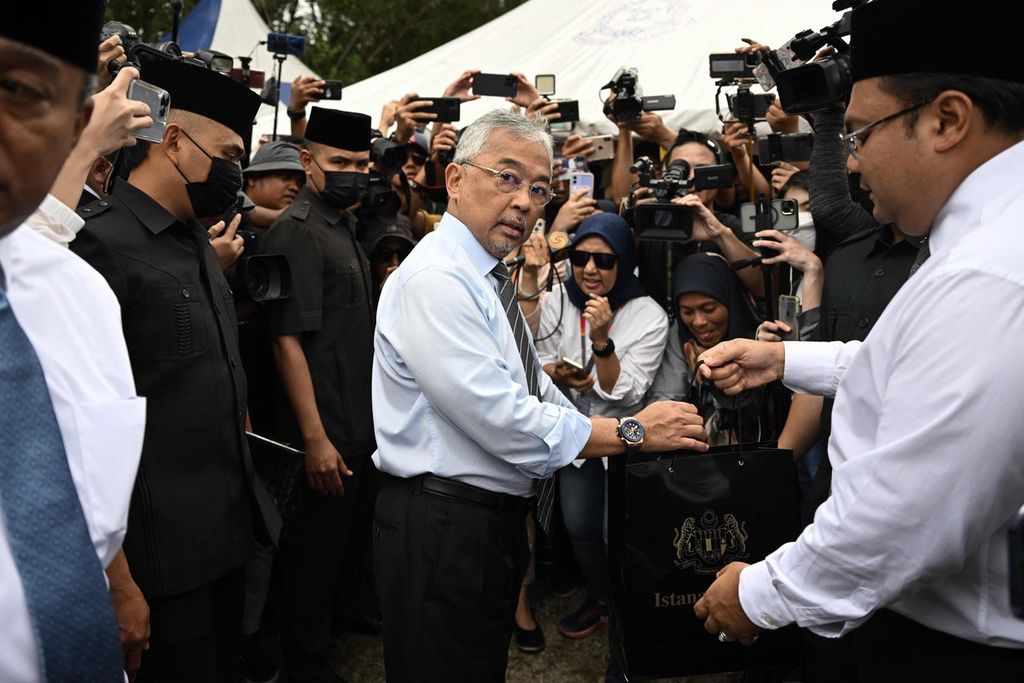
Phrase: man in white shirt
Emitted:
{"points": [[909, 554], [466, 423], [71, 322]]}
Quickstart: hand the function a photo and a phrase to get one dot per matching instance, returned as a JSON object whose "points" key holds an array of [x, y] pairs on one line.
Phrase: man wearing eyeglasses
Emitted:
{"points": [[469, 431], [908, 556]]}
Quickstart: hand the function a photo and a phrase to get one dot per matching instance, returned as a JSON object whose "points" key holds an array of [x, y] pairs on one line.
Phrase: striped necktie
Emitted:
{"points": [[70, 610], [507, 295]]}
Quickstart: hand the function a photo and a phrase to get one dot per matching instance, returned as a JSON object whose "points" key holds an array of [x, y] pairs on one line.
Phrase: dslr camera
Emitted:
{"points": [[661, 219], [629, 102]]}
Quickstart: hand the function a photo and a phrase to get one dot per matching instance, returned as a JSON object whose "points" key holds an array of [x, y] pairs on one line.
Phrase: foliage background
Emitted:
{"points": [[347, 40]]}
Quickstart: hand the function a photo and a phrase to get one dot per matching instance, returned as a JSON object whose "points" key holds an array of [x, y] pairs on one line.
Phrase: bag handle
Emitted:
{"points": [[733, 400]]}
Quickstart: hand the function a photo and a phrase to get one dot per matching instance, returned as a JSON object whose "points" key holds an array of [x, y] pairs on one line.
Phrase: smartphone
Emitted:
{"points": [[332, 90], [604, 147], [789, 309], [159, 101], [569, 109], [286, 44], [785, 215], [446, 108], [545, 84], [575, 365], [582, 181], [495, 85]]}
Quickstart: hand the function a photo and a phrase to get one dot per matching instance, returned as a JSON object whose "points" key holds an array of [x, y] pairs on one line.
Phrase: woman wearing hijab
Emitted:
{"points": [[712, 306], [602, 321]]}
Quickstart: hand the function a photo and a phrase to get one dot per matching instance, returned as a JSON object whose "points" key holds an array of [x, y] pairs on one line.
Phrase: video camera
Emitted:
{"points": [[806, 86], [388, 155], [661, 219], [629, 102], [785, 147], [737, 70], [260, 277]]}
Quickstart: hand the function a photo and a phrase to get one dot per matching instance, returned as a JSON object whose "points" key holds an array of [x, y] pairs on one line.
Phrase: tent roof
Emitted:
{"points": [[584, 44]]}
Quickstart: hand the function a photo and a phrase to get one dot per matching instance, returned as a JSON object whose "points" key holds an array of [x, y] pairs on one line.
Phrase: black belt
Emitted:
{"points": [[462, 493]]}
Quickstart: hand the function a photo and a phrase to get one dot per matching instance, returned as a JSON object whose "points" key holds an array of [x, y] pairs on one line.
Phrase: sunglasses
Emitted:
{"points": [[579, 259]]}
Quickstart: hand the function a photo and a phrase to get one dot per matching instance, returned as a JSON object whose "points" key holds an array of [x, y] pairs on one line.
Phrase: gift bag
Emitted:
{"points": [[674, 520]]}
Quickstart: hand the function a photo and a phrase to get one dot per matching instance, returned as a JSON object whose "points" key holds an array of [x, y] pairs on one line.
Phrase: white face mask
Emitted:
{"points": [[804, 233]]}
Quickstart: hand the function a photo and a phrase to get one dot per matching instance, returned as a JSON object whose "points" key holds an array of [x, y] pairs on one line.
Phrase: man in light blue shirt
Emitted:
{"points": [[464, 432]]}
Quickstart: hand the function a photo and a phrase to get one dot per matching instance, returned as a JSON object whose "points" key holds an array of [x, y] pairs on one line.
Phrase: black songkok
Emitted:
{"points": [[340, 129], [892, 37], [67, 30], [207, 93]]}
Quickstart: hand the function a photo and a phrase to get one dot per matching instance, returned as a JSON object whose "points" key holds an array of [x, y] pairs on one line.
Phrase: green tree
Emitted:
{"points": [[348, 40]]}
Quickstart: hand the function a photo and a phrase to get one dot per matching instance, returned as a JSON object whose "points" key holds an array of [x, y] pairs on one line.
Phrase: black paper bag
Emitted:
{"points": [[674, 520]]}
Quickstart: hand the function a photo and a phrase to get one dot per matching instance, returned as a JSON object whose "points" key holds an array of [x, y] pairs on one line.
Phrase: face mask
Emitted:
{"points": [[805, 233], [219, 192], [342, 189]]}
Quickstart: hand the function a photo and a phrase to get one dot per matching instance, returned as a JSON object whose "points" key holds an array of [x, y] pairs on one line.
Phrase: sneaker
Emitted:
{"points": [[530, 642], [586, 620]]}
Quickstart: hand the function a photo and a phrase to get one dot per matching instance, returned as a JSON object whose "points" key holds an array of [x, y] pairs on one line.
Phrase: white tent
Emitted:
{"points": [[584, 44]]}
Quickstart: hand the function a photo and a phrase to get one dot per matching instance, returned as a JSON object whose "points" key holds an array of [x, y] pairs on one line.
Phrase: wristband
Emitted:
{"points": [[607, 350], [296, 115]]}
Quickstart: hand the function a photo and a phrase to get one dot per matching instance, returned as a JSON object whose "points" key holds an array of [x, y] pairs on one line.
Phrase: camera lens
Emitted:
{"points": [[788, 207]]}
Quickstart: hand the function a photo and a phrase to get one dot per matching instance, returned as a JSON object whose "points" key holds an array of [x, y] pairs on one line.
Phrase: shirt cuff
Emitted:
{"points": [[811, 367], [759, 598]]}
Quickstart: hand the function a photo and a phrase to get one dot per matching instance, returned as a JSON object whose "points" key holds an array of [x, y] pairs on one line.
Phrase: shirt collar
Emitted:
{"points": [[329, 213], [455, 229], [983, 193], [155, 217]]}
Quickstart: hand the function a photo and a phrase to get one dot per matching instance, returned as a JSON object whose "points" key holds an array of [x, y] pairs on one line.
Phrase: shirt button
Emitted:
{"points": [[767, 618], [234, 361], [103, 204], [185, 293], [863, 322], [880, 272], [216, 307]]}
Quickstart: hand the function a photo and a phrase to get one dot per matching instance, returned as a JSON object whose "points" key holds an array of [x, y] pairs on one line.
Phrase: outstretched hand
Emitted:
{"points": [[740, 364]]}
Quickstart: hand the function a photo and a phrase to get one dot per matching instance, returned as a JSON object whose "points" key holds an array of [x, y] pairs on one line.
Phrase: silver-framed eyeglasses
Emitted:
{"points": [[855, 141], [510, 183]]}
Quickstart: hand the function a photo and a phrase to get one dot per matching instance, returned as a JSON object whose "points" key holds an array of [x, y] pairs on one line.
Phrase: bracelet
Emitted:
{"points": [[296, 115], [523, 296]]}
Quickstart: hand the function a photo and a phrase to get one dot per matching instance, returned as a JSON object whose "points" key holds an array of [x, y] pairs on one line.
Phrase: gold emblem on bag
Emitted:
{"points": [[710, 546]]}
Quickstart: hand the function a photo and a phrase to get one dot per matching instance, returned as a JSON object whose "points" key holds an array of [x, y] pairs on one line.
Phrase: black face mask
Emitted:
{"points": [[219, 192], [342, 189]]}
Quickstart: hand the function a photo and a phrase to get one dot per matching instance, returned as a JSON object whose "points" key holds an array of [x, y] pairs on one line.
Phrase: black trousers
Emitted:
{"points": [[448, 576], [890, 648], [196, 636], [313, 551]]}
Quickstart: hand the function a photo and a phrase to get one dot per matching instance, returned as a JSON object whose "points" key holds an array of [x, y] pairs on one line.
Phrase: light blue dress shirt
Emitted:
{"points": [[449, 390]]}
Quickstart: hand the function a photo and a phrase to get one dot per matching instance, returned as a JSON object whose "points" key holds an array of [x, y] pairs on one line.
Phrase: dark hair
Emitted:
{"points": [[1001, 102], [686, 137], [137, 154], [799, 180]]}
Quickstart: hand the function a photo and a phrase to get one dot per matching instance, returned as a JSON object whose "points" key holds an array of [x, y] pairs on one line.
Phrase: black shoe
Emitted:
{"points": [[257, 664], [531, 642]]}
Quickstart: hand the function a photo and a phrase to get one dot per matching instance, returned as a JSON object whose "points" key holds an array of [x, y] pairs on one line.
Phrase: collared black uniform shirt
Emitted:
{"points": [[191, 516], [331, 308]]}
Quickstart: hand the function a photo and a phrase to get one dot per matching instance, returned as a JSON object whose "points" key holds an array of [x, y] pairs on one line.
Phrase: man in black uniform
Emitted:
{"points": [[193, 518], [323, 343]]}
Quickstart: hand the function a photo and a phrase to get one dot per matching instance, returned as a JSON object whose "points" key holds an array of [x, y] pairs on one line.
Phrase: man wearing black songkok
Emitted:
{"points": [[323, 343], [195, 515], [907, 559]]}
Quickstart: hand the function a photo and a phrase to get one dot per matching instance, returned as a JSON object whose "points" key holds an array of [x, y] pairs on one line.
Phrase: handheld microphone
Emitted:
{"points": [[558, 246]]}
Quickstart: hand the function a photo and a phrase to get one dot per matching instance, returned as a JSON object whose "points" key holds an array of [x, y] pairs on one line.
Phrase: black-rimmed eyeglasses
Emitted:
{"points": [[855, 141]]}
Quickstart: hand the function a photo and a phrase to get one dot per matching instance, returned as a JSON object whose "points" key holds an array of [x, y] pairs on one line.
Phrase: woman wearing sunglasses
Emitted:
{"points": [[712, 306], [604, 322]]}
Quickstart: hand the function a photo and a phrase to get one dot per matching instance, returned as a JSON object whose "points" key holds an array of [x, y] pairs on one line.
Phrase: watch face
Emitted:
{"points": [[632, 431]]}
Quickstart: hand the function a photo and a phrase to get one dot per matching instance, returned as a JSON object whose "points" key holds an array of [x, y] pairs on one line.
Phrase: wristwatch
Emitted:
{"points": [[632, 434], [296, 115], [607, 350]]}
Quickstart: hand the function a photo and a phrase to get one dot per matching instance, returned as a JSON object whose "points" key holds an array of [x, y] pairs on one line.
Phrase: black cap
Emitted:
{"points": [[340, 129], [275, 156], [66, 30], [379, 228], [207, 93], [892, 37]]}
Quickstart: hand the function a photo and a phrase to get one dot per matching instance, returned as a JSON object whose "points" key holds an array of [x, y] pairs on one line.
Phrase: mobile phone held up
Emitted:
{"points": [[332, 90], [159, 101], [784, 215], [448, 109], [582, 181], [495, 85]]}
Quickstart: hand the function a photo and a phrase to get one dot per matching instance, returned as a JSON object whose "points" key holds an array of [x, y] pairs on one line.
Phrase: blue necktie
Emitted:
{"points": [[68, 603]]}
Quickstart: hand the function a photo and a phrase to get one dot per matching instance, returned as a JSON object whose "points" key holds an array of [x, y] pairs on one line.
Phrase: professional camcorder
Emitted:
{"points": [[629, 102], [661, 219]]}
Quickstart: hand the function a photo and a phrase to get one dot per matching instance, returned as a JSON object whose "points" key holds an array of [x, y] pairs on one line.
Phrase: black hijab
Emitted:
{"points": [[614, 230], [711, 275]]}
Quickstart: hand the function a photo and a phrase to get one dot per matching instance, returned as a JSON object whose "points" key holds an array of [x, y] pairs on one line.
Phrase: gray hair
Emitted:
{"points": [[522, 126]]}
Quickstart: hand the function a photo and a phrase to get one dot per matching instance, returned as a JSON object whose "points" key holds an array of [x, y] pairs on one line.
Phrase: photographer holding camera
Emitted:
{"points": [[926, 437], [196, 512]]}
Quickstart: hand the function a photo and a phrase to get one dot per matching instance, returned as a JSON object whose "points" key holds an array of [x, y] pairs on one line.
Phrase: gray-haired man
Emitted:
{"points": [[466, 425]]}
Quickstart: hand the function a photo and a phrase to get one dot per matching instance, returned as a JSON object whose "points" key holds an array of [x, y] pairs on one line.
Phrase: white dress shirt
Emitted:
{"points": [[73, 321], [639, 329], [927, 441], [449, 390], [55, 221]]}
